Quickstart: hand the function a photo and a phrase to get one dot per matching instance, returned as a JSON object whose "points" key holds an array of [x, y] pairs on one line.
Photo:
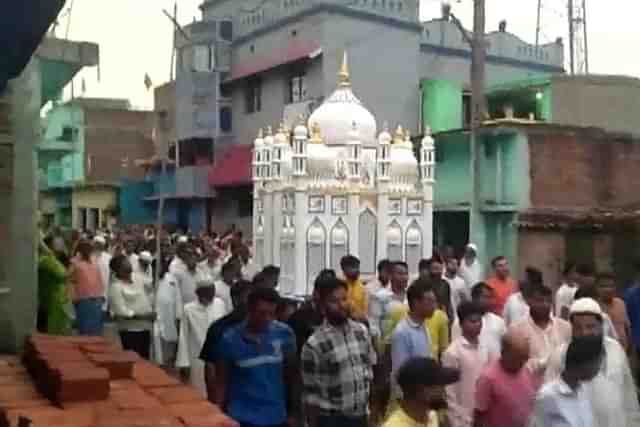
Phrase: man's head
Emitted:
{"points": [[262, 304], [323, 277], [584, 358], [452, 266], [144, 260], [85, 249], [99, 243], [585, 275], [569, 272], [470, 318], [422, 381], [130, 245], [484, 296], [606, 283], [271, 276], [423, 268], [205, 290], [515, 351], [500, 267], [240, 293], [540, 301], [384, 271], [436, 268], [399, 276], [121, 267], [243, 253], [422, 299], [350, 266], [230, 272], [470, 253], [334, 301], [586, 318]]}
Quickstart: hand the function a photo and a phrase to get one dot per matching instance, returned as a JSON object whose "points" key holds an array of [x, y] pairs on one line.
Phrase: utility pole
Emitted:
{"points": [[478, 58], [538, 25], [571, 38], [584, 37], [173, 46]]}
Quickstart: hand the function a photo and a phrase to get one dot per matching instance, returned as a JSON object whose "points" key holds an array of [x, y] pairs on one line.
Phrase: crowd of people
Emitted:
{"points": [[455, 347]]}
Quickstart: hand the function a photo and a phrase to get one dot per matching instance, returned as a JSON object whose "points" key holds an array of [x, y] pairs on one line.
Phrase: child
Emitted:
{"points": [[467, 354], [198, 316]]}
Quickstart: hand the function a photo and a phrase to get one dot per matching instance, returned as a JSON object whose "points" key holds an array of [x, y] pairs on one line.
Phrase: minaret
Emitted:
{"points": [[300, 138], [355, 154], [258, 144], [427, 158], [268, 146], [384, 155]]}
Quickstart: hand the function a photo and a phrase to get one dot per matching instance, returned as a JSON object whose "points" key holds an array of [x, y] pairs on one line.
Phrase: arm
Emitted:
{"points": [[310, 361], [443, 335], [210, 380], [220, 384], [399, 353], [483, 402], [375, 314], [291, 374], [183, 359], [450, 360]]}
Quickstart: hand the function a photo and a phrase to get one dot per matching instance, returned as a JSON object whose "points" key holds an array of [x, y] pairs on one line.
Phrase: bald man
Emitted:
{"points": [[506, 389]]}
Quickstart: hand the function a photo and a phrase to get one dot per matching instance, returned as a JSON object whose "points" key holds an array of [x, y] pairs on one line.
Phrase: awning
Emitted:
{"points": [[294, 51], [233, 168]]}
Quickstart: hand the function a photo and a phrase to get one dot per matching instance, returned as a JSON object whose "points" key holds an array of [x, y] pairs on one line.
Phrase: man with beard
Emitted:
{"points": [[337, 365], [422, 382], [612, 392], [356, 291], [433, 269], [387, 301]]}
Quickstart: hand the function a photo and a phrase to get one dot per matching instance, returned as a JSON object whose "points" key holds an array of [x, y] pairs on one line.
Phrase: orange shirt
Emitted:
{"points": [[502, 290], [86, 281]]}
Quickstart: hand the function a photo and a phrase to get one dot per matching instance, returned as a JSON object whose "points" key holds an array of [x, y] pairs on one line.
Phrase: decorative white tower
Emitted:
{"points": [[340, 188]]}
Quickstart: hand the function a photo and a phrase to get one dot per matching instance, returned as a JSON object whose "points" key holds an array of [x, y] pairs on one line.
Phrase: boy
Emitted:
{"points": [[198, 316], [467, 354]]}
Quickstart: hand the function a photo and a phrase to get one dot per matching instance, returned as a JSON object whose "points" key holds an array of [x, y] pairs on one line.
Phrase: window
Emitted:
{"points": [[253, 96], [252, 48], [226, 30], [297, 87], [204, 58], [245, 204], [225, 119], [466, 110], [68, 134]]}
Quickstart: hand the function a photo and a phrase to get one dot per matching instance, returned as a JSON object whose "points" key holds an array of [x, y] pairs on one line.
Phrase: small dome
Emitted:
{"points": [[404, 164], [300, 131], [385, 136], [337, 114], [280, 138], [259, 141], [321, 160], [268, 139]]}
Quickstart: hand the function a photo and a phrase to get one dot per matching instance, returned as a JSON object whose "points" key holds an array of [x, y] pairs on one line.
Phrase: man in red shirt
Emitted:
{"points": [[501, 283]]}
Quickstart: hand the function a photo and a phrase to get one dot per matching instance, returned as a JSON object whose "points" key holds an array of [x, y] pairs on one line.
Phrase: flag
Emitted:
{"points": [[147, 81]]}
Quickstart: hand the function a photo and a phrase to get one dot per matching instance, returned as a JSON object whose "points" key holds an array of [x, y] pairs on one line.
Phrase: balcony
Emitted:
{"points": [[56, 145]]}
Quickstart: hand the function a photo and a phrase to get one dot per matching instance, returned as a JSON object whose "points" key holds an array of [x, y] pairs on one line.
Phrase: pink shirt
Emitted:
{"points": [[506, 399], [470, 359], [85, 280], [543, 342]]}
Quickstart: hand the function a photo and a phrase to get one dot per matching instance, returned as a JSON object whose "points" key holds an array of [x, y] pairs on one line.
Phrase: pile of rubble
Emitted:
{"points": [[86, 382]]}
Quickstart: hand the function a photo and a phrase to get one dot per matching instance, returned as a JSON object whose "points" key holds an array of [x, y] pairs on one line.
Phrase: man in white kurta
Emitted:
{"points": [[612, 392], [197, 316]]}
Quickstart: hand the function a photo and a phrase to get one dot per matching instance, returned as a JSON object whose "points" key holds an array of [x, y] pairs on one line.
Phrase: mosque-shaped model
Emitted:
{"points": [[336, 186]]}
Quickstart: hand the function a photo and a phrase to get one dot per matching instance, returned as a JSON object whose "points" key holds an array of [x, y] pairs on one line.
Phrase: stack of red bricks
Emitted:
{"points": [[86, 382]]}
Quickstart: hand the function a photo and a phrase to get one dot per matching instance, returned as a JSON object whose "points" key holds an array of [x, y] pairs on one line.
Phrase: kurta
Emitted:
{"points": [[166, 308], [193, 330]]}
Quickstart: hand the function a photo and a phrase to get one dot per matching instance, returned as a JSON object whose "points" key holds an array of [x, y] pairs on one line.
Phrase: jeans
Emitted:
{"points": [[89, 317], [342, 421]]}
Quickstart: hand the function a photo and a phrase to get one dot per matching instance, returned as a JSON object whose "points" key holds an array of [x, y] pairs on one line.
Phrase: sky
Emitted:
{"points": [[135, 37]]}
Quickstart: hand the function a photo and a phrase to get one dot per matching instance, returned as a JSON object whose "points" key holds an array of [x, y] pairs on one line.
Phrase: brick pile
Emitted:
{"points": [[86, 382]]}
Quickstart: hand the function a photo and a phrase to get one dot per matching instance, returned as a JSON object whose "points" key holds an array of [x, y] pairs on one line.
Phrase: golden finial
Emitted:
{"points": [[399, 135], [343, 76], [316, 136], [287, 133], [281, 128]]}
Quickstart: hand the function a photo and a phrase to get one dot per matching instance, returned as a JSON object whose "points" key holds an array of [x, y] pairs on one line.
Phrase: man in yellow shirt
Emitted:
{"points": [[422, 382], [356, 291], [437, 324]]}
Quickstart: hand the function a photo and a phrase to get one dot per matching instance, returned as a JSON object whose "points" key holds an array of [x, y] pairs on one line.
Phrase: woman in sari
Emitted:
{"points": [[53, 299]]}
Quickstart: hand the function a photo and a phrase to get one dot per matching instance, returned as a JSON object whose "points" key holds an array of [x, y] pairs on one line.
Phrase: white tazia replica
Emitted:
{"points": [[332, 187]]}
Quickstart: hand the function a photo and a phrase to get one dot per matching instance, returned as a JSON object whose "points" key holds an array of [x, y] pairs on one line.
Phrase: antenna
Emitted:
{"points": [[578, 42]]}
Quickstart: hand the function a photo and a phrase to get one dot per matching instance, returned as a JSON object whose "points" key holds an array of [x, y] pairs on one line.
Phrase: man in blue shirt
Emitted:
{"points": [[255, 375]]}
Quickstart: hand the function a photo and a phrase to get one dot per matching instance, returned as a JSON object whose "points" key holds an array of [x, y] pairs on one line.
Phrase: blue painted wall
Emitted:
{"points": [[133, 208]]}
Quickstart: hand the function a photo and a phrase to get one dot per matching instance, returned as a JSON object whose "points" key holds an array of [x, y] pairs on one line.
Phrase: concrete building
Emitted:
{"points": [[89, 145], [551, 191], [27, 82], [285, 53]]}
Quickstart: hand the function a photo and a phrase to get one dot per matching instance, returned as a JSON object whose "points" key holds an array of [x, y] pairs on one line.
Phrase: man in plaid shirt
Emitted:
{"points": [[337, 364]]}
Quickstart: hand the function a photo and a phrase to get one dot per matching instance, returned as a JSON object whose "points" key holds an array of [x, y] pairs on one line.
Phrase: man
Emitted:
{"points": [[562, 402], [433, 270], [271, 276], [566, 291], [459, 290], [255, 376], [470, 267], [209, 354], [506, 389], [469, 356], [544, 332], [493, 327], [421, 381], [131, 251], [501, 283], [388, 299], [632, 302], [186, 274], [229, 276], [516, 307], [384, 276], [410, 338], [145, 273], [248, 268], [357, 293], [309, 316], [612, 392], [198, 317], [437, 324], [614, 307], [337, 365], [212, 264], [102, 258]]}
